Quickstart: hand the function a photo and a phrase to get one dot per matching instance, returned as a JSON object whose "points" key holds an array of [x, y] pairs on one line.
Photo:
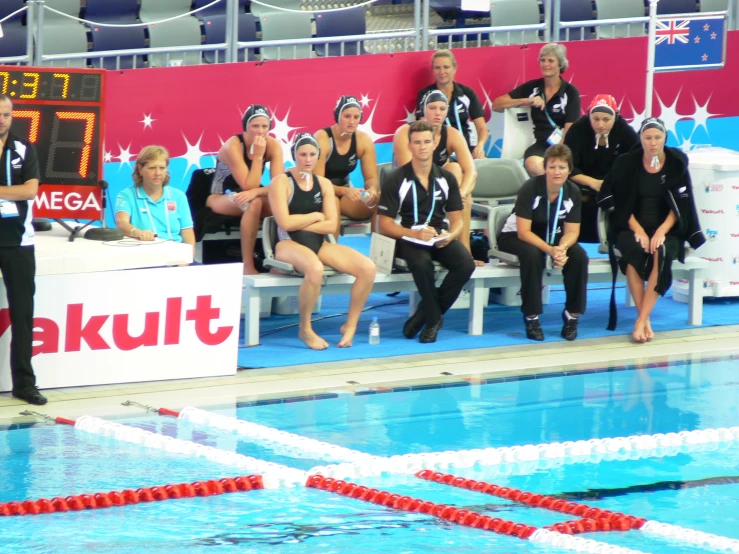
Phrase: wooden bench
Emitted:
{"points": [[255, 287]]}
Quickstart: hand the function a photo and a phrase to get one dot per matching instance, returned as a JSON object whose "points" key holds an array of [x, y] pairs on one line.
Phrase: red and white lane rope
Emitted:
{"points": [[464, 517], [288, 443], [594, 519], [543, 456], [130, 496], [274, 475]]}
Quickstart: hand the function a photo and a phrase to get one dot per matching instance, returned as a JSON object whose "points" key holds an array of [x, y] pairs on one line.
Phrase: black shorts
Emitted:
{"points": [[537, 149], [630, 253]]}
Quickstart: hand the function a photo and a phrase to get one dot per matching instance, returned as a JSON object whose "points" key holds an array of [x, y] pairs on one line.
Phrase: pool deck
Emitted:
{"points": [[349, 377]]}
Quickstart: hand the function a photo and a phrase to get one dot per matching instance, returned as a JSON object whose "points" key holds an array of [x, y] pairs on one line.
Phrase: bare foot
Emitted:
{"points": [[648, 330], [479, 263], [250, 270], [639, 334], [347, 335], [312, 340]]}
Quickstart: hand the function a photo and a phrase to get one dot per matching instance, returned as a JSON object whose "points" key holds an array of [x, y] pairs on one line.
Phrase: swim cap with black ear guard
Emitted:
{"points": [[344, 103], [302, 139], [255, 110], [434, 95]]}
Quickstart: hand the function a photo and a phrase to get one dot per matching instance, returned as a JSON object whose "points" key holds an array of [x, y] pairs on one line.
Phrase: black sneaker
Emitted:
{"points": [[30, 395], [414, 324], [533, 329], [569, 329], [429, 333]]}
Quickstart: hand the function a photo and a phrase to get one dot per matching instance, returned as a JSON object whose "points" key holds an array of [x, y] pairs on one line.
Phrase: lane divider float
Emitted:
{"points": [[463, 517], [125, 497], [530, 458], [594, 519]]}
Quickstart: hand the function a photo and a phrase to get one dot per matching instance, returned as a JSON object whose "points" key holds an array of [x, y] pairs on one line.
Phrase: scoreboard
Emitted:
{"points": [[60, 111]]}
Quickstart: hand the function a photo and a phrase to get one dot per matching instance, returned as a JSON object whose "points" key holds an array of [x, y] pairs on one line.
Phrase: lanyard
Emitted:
{"points": [[556, 217], [432, 188], [8, 182], [549, 117], [151, 219], [456, 114]]}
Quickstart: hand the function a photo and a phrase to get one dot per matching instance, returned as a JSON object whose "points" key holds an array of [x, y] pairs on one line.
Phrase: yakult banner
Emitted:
{"points": [[131, 326]]}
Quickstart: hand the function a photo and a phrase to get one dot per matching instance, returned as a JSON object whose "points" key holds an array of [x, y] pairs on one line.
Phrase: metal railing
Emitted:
{"points": [[420, 37]]}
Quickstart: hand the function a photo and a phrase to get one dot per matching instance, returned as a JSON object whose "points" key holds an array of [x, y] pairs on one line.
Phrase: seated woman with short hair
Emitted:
{"points": [[241, 162], [305, 211], [344, 145], [150, 208], [555, 105], [450, 153], [542, 231]]}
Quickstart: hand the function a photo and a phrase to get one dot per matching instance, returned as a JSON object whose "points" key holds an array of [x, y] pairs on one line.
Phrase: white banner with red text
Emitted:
{"points": [[131, 326]]}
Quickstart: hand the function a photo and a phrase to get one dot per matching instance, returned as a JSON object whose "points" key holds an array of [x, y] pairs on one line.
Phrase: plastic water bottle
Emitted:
{"points": [[365, 196], [374, 332], [232, 197]]}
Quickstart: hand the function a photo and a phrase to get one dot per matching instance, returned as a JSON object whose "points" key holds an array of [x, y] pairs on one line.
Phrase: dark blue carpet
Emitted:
{"points": [[503, 326]]}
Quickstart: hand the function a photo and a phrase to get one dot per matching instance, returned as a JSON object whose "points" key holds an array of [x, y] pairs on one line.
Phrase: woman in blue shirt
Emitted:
{"points": [[150, 208]]}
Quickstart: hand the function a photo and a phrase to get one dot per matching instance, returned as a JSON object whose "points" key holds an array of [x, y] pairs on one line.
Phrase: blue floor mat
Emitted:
{"points": [[503, 325]]}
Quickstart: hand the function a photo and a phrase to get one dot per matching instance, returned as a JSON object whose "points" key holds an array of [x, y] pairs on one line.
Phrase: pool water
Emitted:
{"points": [[699, 490]]}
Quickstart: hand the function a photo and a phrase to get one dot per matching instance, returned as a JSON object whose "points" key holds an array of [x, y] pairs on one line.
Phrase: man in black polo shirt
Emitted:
{"points": [[19, 180], [415, 200]]}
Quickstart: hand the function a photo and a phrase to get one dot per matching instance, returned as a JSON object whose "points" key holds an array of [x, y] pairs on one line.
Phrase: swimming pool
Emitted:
{"points": [[695, 489]]}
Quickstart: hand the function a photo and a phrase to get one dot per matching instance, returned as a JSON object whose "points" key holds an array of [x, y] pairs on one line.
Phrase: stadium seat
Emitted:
{"points": [[118, 38], [62, 38], [9, 6], [284, 26], [215, 33], [714, 5], [218, 9], [180, 32], [156, 10], [120, 11], [576, 10], [498, 180], [608, 9], [336, 24], [13, 42], [259, 10], [514, 12], [665, 7], [70, 7]]}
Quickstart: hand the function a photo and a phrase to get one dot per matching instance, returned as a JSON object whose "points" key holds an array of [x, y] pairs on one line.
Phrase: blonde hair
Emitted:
{"points": [[559, 52], [444, 53], [147, 155]]}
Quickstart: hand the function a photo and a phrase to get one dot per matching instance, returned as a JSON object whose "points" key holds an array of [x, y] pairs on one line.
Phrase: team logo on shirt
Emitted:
{"points": [[17, 163], [352, 160], [560, 106], [317, 199], [171, 206]]}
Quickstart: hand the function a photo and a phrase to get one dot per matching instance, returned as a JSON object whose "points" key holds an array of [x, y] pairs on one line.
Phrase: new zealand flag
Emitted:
{"points": [[683, 44]]}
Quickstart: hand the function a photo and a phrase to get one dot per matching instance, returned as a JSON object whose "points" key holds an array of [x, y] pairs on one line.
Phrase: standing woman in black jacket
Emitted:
{"points": [[596, 140], [654, 215]]}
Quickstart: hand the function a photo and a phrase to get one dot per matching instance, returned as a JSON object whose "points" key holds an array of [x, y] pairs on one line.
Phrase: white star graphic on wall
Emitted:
{"points": [[365, 101], [636, 118], [125, 156], [702, 114], [147, 121], [410, 116], [107, 156], [367, 126], [282, 129], [669, 114], [193, 154]]}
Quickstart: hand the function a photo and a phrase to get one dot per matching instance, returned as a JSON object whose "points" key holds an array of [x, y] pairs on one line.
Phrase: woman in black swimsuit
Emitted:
{"points": [[241, 162], [344, 146], [305, 210]]}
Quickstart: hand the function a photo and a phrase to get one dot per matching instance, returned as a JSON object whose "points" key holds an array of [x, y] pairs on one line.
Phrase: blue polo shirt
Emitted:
{"points": [[166, 217]]}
